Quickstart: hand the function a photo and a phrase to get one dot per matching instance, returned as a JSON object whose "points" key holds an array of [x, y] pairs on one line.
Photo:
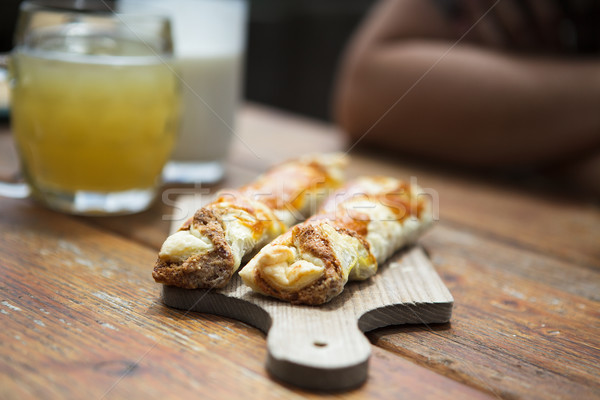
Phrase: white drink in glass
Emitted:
{"points": [[210, 88], [209, 38]]}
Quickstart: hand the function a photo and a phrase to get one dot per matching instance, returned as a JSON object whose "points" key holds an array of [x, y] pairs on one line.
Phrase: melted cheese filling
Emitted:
{"points": [[385, 233], [288, 217], [333, 163], [292, 276], [243, 232], [239, 233], [183, 244], [355, 260], [374, 186], [284, 268]]}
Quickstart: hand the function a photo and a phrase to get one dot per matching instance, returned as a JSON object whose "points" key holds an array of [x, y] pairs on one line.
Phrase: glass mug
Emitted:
{"points": [[94, 105]]}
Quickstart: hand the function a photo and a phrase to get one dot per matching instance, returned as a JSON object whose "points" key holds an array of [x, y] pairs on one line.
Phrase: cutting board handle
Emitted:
{"points": [[317, 350], [323, 348]]}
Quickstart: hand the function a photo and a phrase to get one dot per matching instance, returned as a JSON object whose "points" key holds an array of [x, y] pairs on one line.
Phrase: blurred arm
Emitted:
{"points": [[469, 104]]}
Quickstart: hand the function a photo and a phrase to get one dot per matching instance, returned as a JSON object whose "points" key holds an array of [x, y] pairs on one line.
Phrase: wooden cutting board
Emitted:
{"points": [[323, 347]]}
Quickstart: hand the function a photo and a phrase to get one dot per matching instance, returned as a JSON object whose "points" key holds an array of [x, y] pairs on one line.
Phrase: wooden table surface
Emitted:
{"points": [[81, 316]]}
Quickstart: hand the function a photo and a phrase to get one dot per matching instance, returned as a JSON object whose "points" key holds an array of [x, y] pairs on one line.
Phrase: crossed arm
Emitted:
{"points": [[430, 86]]}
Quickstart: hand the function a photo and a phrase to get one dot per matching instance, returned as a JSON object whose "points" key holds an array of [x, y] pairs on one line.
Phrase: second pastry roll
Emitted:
{"points": [[360, 225]]}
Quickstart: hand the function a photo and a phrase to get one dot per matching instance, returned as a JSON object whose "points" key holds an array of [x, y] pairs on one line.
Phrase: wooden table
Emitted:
{"points": [[81, 316]]}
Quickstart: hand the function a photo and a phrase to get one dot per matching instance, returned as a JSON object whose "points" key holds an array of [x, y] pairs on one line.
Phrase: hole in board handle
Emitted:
{"points": [[319, 343]]}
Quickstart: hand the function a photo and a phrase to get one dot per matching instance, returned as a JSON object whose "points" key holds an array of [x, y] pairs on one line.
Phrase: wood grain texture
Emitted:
{"points": [[561, 225], [266, 136], [522, 320], [521, 262], [322, 347], [81, 318]]}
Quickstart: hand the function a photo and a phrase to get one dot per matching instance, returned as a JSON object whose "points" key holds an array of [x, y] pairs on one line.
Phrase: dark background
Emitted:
{"points": [[292, 54]]}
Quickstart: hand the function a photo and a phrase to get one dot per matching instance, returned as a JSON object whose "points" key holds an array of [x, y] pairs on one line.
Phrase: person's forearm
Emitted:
{"points": [[471, 105]]}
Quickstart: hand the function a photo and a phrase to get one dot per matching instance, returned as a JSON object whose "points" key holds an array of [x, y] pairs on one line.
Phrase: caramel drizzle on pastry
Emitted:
{"points": [[399, 198], [284, 188], [273, 188], [312, 237]]}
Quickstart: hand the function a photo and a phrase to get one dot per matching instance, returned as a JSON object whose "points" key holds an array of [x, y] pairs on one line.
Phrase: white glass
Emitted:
{"points": [[209, 41]]}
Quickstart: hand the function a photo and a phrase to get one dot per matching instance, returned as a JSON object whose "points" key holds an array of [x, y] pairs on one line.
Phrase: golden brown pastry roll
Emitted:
{"points": [[210, 246], [360, 225]]}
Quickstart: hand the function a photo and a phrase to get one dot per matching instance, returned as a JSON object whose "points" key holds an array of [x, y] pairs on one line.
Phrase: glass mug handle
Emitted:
{"points": [[15, 190]]}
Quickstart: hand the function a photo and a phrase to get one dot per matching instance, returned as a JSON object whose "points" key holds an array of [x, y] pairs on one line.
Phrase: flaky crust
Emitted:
{"points": [[380, 204], [213, 269], [260, 210], [310, 175], [324, 288], [311, 240]]}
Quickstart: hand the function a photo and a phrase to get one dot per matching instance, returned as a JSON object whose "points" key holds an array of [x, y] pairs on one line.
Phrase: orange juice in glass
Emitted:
{"points": [[95, 106]]}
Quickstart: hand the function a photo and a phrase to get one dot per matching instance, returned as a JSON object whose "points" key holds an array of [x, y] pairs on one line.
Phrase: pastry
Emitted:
{"points": [[359, 226], [211, 245]]}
